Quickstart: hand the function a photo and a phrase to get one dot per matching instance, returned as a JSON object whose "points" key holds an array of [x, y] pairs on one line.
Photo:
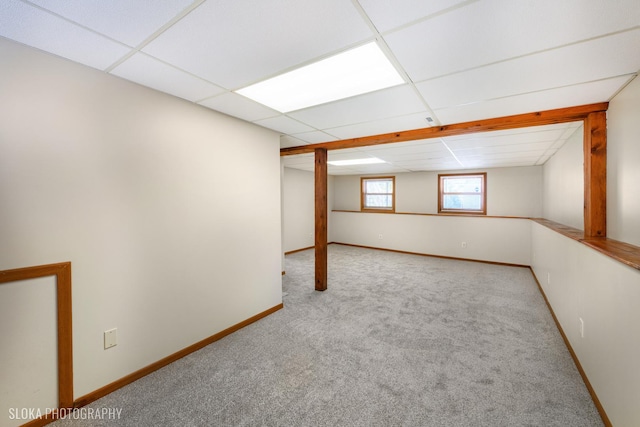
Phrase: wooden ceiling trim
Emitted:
{"points": [[548, 117]]}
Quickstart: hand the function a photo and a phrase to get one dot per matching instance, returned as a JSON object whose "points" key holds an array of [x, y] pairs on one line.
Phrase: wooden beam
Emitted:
{"points": [[562, 115], [595, 175], [321, 218]]}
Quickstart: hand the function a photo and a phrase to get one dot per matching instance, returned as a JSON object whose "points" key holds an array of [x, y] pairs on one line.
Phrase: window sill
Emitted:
{"points": [[388, 211]]}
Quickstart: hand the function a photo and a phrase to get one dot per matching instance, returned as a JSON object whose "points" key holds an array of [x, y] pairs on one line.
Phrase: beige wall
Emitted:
{"points": [[581, 283], [563, 183], [584, 284], [623, 165], [32, 343], [510, 191], [488, 239], [298, 195], [159, 204], [298, 209]]}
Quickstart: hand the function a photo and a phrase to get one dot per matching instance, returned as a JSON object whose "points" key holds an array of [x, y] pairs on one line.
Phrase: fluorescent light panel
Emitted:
{"points": [[367, 161], [354, 72]]}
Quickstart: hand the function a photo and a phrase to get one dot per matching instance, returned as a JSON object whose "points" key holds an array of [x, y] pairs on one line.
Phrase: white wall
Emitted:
{"points": [[298, 194], [298, 209], [586, 284], [159, 204], [606, 294], [489, 239], [28, 368], [563, 183], [623, 165], [510, 191]]}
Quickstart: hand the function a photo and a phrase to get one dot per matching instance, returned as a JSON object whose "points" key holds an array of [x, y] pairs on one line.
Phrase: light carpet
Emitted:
{"points": [[396, 340]]}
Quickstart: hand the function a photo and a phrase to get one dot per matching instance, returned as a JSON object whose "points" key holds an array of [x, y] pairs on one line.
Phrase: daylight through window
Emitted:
{"points": [[378, 194], [462, 193]]}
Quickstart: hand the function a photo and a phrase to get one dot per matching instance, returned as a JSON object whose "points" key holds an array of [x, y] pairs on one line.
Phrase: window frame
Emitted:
{"points": [[363, 194], [441, 194]]}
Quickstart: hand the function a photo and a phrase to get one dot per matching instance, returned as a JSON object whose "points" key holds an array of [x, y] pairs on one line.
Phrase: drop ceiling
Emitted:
{"points": [[460, 61]]}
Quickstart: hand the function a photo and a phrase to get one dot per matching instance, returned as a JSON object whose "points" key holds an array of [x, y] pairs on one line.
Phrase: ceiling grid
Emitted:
{"points": [[461, 60]]}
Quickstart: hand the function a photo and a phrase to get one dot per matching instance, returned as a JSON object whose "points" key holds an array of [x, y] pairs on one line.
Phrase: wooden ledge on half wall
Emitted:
{"points": [[470, 215], [625, 253]]}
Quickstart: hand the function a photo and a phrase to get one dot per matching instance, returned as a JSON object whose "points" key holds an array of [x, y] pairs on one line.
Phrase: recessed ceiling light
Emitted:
{"points": [[354, 72], [367, 161]]}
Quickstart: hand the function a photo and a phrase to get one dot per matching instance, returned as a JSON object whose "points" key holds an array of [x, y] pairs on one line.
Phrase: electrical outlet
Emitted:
{"points": [[581, 327], [380, 236], [110, 338], [464, 245]]}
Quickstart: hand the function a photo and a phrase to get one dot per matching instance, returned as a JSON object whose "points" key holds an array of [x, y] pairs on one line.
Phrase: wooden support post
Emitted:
{"points": [[595, 175], [321, 218]]}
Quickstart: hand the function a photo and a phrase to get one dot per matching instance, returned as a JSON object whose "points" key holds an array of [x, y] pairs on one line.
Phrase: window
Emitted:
{"points": [[462, 193], [377, 194]]}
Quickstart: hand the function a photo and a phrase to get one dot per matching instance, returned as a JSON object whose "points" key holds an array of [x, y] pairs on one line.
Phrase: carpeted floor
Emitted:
{"points": [[396, 340]]}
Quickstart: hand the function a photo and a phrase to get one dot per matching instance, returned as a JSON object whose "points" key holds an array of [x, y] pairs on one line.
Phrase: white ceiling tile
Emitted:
{"points": [[494, 30], [517, 135], [499, 48], [289, 141], [500, 155], [518, 148], [490, 139], [238, 106], [147, 71], [237, 43], [395, 101], [582, 94], [405, 153], [127, 21], [314, 137], [569, 131], [379, 169], [342, 171], [386, 14], [358, 150], [433, 166], [426, 162], [500, 163], [381, 126], [284, 124], [422, 144], [349, 155], [550, 69], [400, 158], [37, 28]]}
